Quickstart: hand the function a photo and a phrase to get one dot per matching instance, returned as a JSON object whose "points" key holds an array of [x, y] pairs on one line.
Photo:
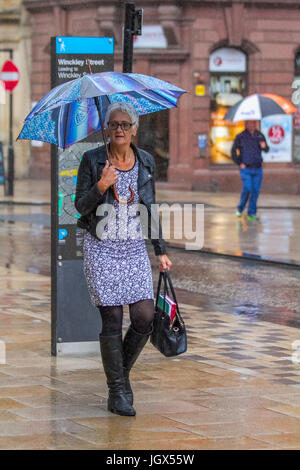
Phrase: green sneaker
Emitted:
{"points": [[252, 217], [238, 214]]}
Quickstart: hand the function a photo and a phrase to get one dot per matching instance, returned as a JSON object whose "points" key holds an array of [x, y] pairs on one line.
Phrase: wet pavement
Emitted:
{"points": [[239, 384], [231, 282], [274, 237], [240, 287]]}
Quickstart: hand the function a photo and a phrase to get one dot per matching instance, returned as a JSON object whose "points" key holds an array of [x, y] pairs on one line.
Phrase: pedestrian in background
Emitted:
{"points": [[246, 153], [117, 268]]}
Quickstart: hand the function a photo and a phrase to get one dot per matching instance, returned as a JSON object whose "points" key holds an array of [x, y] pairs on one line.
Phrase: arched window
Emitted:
{"points": [[228, 85]]}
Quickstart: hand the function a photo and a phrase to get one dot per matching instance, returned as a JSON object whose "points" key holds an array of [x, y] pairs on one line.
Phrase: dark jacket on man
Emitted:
{"points": [[246, 149], [89, 198]]}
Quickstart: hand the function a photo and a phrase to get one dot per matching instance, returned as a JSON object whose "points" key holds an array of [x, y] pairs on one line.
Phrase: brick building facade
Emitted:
{"points": [[267, 33]]}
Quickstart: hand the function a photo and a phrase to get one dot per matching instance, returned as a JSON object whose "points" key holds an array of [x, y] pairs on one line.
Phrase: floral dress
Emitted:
{"points": [[117, 267]]}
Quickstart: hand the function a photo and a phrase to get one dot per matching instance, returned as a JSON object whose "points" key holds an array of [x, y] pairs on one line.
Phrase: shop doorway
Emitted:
{"points": [[153, 136], [228, 85]]}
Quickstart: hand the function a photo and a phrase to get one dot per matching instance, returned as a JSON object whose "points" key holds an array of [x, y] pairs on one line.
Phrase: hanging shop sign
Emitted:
{"points": [[228, 59]]}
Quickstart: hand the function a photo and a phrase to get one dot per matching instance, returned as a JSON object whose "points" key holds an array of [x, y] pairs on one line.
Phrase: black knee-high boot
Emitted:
{"points": [[133, 344], [112, 359]]}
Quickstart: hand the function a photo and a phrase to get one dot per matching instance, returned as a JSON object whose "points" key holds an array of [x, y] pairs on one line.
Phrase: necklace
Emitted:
{"points": [[116, 196]]}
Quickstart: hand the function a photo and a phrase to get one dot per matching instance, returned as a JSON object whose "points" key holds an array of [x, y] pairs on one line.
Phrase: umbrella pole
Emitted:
{"points": [[102, 126], [100, 117], [106, 148]]}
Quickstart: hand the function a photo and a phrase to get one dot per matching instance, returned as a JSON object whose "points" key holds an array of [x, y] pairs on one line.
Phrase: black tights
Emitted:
{"points": [[141, 316]]}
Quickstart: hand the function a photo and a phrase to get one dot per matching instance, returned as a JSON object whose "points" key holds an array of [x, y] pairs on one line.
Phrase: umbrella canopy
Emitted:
{"points": [[74, 110], [257, 106]]}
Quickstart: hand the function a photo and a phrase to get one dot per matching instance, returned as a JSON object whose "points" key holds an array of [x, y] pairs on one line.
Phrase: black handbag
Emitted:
{"points": [[169, 337]]}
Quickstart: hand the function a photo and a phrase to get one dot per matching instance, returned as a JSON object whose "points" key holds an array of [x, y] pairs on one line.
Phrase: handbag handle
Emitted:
{"points": [[162, 276], [168, 278]]}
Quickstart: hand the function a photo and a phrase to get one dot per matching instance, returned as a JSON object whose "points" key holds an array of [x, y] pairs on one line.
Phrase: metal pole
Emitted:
{"points": [[9, 190], [128, 38], [11, 155]]}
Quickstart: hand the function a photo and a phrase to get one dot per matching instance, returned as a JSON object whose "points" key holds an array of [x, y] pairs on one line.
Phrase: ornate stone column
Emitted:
{"points": [[178, 32]]}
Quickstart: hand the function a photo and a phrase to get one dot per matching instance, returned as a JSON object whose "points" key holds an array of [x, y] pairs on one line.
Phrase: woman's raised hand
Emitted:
{"points": [[108, 178]]}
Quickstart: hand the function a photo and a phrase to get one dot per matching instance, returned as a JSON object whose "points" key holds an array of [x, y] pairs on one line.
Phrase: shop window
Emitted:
{"points": [[228, 85]]}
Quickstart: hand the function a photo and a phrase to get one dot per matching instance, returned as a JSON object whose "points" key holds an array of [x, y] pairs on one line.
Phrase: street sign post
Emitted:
{"points": [[2, 172], [10, 77], [75, 322]]}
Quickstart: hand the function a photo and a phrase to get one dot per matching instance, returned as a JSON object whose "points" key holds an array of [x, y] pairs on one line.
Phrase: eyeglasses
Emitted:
{"points": [[125, 126]]}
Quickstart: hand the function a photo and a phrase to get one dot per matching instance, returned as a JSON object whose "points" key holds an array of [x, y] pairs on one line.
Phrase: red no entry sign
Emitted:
{"points": [[10, 75]]}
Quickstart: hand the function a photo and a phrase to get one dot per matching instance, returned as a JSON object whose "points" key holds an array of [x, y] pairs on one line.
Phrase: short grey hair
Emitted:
{"points": [[125, 108]]}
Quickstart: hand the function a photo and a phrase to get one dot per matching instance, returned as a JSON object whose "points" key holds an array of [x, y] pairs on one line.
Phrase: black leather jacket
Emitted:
{"points": [[88, 197]]}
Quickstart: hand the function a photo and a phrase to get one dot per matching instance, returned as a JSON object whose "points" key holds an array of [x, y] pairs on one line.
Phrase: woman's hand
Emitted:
{"points": [[165, 263], [108, 178]]}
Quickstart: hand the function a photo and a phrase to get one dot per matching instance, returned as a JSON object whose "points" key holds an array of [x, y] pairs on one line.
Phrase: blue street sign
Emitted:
{"points": [[84, 45]]}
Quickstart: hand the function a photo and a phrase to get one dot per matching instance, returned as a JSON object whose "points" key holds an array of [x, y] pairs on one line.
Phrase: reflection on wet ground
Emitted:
{"points": [[25, 238], [237, 286], [239, 384], [245, 288], [274, 237]]}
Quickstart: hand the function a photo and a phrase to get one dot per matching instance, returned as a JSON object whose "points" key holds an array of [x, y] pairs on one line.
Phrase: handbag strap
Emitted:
{"points": [[167, 280], [158, 288], [162, 276]]}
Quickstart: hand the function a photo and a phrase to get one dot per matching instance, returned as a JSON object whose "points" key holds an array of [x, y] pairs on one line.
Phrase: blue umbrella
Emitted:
{"points": [[74, 110]]}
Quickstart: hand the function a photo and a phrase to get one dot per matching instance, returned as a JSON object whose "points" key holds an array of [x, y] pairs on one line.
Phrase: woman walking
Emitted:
{"points": [[117, 267]]}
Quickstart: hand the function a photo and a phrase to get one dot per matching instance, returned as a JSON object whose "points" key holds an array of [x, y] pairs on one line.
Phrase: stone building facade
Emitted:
{"points": [[255, 43], [15, 36]]}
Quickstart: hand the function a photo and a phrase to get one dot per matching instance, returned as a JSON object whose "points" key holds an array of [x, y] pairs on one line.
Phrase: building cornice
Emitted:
{"points": [[157, 55], [42, 5], [10, 16]]}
